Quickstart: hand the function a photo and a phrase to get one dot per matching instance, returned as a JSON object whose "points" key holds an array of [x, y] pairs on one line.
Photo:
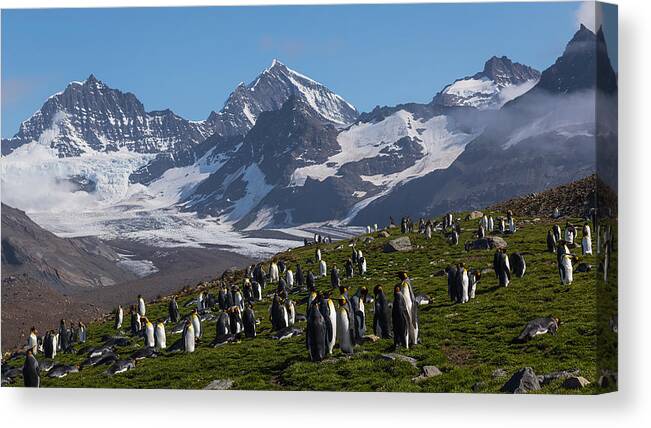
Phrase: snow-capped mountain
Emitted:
{"points": [[501, 81], [269, 91], [548, 136], [90, 116]]}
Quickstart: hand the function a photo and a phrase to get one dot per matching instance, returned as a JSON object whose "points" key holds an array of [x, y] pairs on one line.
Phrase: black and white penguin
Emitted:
{"points": [[223, 325], [31, 374], [503, 268], [248, 320], [473, 280], [481, 232], [310, 280], [32, 341], [119, 317], [334, 277], [323, 268], [518, 264], [50, 344], [401, 321], [412, 307], [278, 314], [461, 285], [454, 237], [159, 335], [274, 275], [511, 227], [556, 230], [238, 298], [148, 333], [451, 272], [381, 314], [196, 323], [551, 241], [136, 325], [235, 318], [188, 337], [345, 332], [361, 265], [64, 338], [173, 309], [537, 327], [359, 313], [317, 254], [353, 255], [586, 242], [316, 337], [349, 268], [82, 332], [142, 308], [289, 278], [257, 291], [290, 309], [329, 313], [491, 224], [565, 268], [300, 279]]}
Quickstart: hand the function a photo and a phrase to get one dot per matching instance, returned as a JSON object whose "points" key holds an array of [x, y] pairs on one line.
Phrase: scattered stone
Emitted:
{"points": [[576, 382], [429, 371], [546, 378], [488, 243], [440, 272], [399, 244], [393, 356], [475, 215], [498, 373], [370, 338], [523, 381], [383, 234], [219, 384]]}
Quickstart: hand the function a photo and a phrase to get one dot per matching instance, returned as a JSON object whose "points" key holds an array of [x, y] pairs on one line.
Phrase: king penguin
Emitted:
{"points": [[400, 317], [32, 341], [323, 268], [149, 333], [329, 313], [344, 327], [119, 317], [586, 242], [188, 337], [503, 269], [518, 264], [159, 335], [565, 268], [273, 272], [248, 319], [381, 327], [31, 376], [50, 345], [316, 333], [173, 309], [551, 241], [196, 323], [142, 308]]}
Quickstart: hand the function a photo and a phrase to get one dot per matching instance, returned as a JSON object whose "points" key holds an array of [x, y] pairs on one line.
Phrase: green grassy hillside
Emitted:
{"points": [[467, 342]]}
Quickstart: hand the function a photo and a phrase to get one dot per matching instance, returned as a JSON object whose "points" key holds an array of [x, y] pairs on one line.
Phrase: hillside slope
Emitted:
{"points": [[467, 342]]}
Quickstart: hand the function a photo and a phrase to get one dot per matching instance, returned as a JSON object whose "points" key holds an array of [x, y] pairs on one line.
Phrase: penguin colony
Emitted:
{"points": [[334, 318]]}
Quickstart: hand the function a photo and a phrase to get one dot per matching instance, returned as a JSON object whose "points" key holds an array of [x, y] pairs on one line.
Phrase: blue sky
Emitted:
{"points": [[190, 59]]}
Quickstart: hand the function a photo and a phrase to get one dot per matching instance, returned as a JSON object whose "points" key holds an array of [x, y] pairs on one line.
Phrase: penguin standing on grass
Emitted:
{"points": [[335, 282], [50, 344], [159, 335], [323, 268], [188, 337], [149, 333], [329, 313], [551, 241], [278, 314], [142, 308], [565, 268], [273, 272], [381, 314], [518, 264], [289, 278], [248, 319], [586, 242], [31, 374], [349, 269], [359, 312], [300, 278], [196, 323], [310, 280], [556, 229], [257, 291], [316, 333], [502, 268], [32, 341], [119, 317], [173, 309], [345, 332], [473, 280], [400, 317], [462, 284], [451, 272]]}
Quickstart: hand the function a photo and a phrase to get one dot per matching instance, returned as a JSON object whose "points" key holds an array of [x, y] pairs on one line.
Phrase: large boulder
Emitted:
{"points": [[523, 381], [488, 243], [399, 244], [219, 384], [475, 215]]}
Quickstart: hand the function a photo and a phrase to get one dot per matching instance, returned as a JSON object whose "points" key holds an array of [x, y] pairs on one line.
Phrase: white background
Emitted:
{"points": [[629, 407]]}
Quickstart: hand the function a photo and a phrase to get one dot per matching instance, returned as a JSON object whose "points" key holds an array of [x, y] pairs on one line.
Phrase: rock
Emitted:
{"points": [[583, 267], [429, 371], [475, 215], [546, 378], [368, 239], [607, 379], [523, 381], [393, 356], [487, 243], [219, 384], [370, 338], [497, 373], [576, 382], [399, 244], [440, 272], [476, 387], [383, 234]]}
